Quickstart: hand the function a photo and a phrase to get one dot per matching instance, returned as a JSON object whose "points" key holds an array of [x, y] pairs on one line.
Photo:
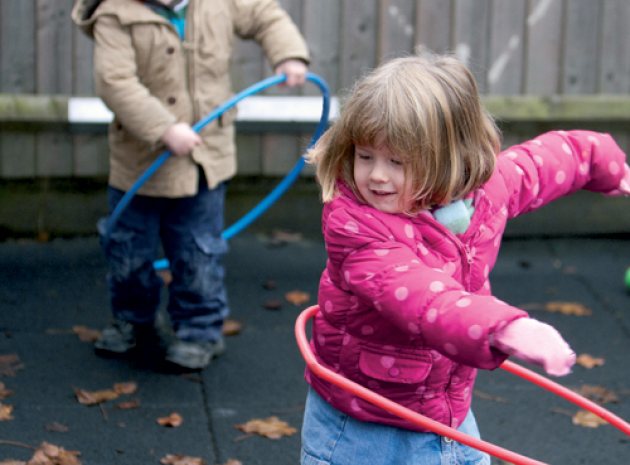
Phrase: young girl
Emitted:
{"points": [[416, 202]]}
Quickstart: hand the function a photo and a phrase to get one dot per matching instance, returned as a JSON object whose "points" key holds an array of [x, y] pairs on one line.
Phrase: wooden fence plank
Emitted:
{"points": [[581, 57], [614, 72], [505, 67], [397, 25], [434, 24], [358, 40], [17, 74], [544, 47], [54, 76], [471, 37]]}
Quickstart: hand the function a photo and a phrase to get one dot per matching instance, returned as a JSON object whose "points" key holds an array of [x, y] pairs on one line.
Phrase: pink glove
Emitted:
{"points": [[624, 185], [536, 342]]}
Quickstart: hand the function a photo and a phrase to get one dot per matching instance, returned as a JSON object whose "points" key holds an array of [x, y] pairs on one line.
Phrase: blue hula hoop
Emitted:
{"points": [[266, 202]]}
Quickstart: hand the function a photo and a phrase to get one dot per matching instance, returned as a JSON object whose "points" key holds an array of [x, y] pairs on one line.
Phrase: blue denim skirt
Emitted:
{"points": [[330, 437]]}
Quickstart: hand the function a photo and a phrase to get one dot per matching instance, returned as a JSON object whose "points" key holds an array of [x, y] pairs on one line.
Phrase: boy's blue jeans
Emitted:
{"points": [[189, 231], [330, 437]]}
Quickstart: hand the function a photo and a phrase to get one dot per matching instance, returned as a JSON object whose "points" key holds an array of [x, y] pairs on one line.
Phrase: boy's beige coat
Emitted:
{"points": [[151, 79]]}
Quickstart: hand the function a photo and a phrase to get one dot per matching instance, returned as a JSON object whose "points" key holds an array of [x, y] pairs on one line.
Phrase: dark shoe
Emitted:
{"points": [[117, 339], [121, 338], [194, 355]]}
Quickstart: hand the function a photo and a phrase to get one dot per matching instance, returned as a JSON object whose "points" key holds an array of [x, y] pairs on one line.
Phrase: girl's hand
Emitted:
{"points": [[295, 71], [536, 342], [624, 185], [180, 138]]}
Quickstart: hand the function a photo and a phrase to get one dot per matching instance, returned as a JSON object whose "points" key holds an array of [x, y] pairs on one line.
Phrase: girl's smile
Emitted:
{"points": [[380, 178]]}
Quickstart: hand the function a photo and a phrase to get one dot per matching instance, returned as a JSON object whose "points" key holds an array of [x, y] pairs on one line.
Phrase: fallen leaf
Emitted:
{"points": [[598, 394], [229, 462], [50, 454], [232, 327], [568, 308], [56, 427], [129, 404], [173, 420], [297, 298], [12, 462], [4, 392], [588, 361], [5, 412], [9, 364], [271, 427], [270, 285], [272, 304], [125, 388], [588, 419], [94, 397], [486, 396], [279, 236], [171, 459], [86, 334]]}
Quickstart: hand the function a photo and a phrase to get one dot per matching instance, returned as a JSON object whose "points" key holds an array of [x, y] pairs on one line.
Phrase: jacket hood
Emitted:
{"points": [[85, 13]]}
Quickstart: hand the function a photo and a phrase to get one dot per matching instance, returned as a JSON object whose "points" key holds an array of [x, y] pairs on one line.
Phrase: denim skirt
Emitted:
{"points": [[330, 437]]}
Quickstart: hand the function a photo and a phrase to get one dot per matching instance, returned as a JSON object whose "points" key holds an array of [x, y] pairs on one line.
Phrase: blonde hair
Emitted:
{"points": [[426, 109]]}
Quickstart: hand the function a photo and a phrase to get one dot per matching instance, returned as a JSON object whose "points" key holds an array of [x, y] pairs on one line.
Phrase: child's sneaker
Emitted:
{"points": [[117, 339], [194, 355], [121, 337]]}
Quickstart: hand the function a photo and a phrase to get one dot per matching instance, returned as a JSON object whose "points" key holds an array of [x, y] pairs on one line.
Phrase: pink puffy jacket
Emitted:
{"points": [[405, 305]]}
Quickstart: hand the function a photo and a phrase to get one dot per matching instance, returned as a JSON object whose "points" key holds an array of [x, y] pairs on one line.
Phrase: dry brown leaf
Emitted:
{"points": [[9, 364], [12, 462], [232, 327], [125, 388], [598, 394], [588, 419], [588, 361], [6, 411], [297, 298], [95, 397], [172, 459], [279, 236], [50, 454], [4, 392], [568, 308], [270, 285], [272, 304], [56, 427], [86, 334], [271, 427], [229, 462], [129, 404], [173, 420]]}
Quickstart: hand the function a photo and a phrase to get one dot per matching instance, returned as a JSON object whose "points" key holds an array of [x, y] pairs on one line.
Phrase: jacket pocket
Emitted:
{"points": [[395, 367]]}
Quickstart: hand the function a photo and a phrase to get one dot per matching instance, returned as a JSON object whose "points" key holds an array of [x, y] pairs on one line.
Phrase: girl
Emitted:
{"points": [[416, 202]]}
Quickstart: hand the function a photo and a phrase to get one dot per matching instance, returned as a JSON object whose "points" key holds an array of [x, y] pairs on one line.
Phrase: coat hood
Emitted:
{"points": [[85, 13]]}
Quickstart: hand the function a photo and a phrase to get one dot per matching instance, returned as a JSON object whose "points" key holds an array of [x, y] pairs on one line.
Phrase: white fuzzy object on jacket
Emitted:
{"points": [[150, 79]]}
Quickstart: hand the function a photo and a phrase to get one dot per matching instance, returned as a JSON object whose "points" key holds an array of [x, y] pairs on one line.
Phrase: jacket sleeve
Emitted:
{"points": [[117, 83], [418, 300], [271, 26], [556, 164]]}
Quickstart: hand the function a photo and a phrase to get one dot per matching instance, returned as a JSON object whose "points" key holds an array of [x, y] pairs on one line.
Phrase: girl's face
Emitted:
{"points": [[379, 176]]}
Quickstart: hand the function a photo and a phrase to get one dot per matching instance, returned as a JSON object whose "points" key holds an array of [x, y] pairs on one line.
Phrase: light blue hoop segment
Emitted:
{"points": [[266, 202]]}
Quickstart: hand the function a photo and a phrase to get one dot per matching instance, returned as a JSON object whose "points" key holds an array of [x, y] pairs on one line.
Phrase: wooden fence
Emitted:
{"points": [[517, 48]]}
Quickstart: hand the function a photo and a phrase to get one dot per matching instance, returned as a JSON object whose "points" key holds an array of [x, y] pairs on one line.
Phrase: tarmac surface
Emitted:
{"points": [[46, 289]]}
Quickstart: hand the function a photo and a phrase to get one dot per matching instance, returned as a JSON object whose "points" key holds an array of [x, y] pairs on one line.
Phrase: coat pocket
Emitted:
{"points": [[395, 367]]}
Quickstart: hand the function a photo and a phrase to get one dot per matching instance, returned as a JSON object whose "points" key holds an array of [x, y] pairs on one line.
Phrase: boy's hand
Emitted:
{"points": [[536, 342], [180, 138], [295, 71], [624, 185]]}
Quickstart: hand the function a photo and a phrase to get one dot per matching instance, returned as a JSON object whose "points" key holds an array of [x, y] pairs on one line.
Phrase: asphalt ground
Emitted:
{"points": [[47, 289]]}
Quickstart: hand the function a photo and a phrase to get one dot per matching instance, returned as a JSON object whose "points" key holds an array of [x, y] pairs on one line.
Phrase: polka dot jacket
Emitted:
{"points": [[405, 305]]}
